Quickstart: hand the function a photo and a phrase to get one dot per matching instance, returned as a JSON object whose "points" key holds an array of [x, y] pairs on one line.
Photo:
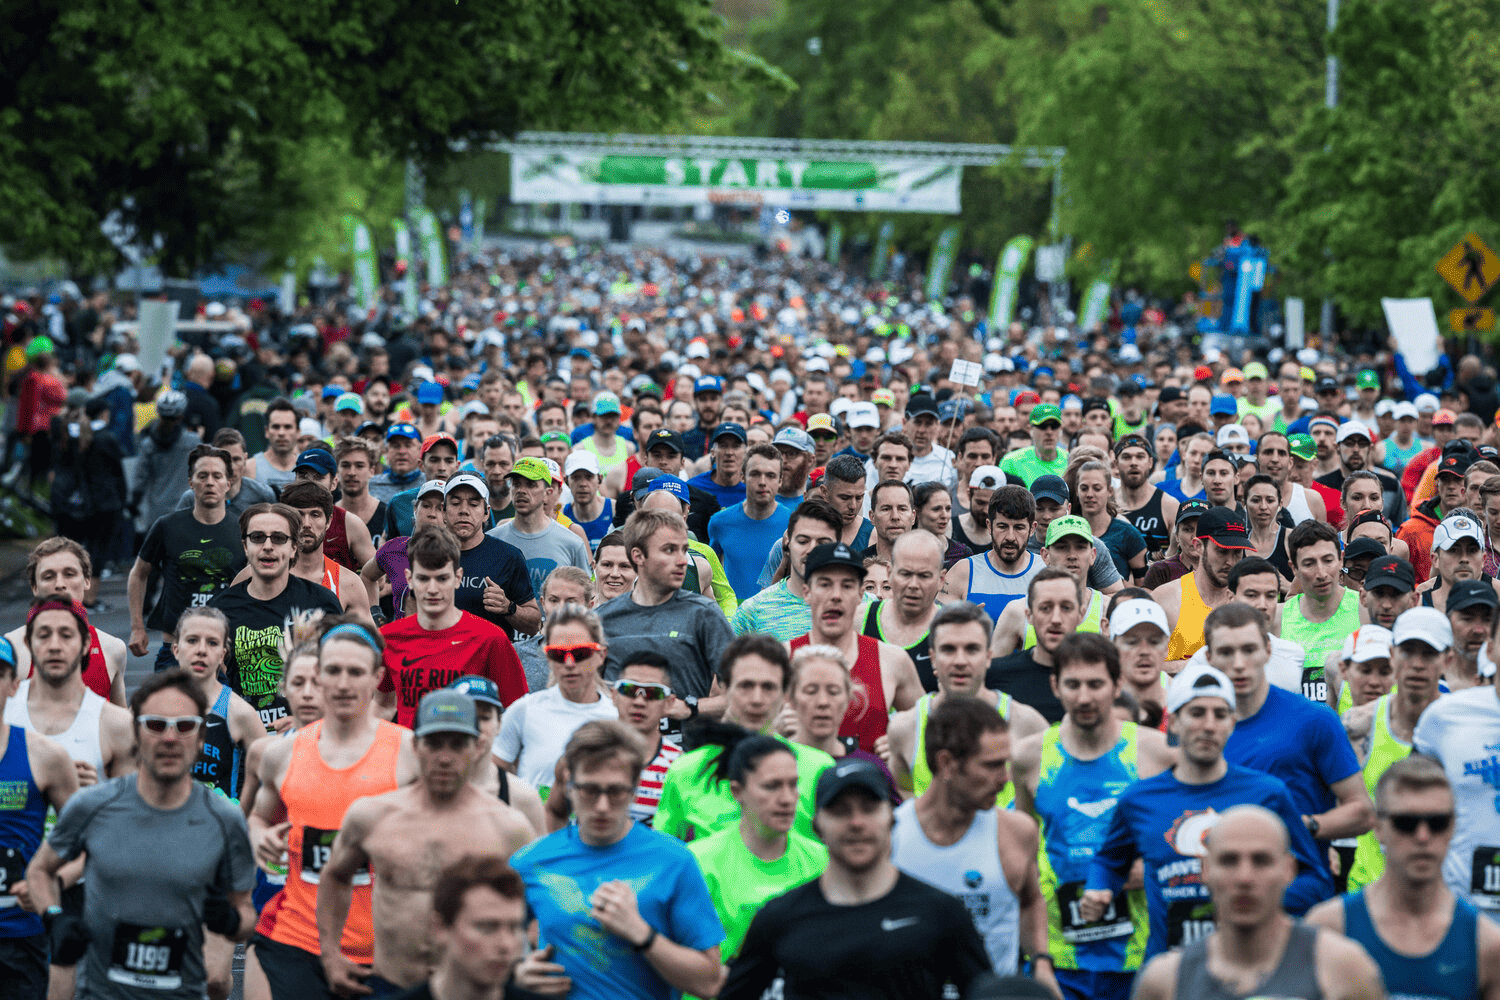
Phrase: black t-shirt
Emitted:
{"points": [[1027, 681], [195, 560], [501, 562], [253, 660], [903, 946]]}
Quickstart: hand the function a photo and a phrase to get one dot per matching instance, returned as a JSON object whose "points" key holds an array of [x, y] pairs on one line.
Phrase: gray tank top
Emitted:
{"points": [[269, 475], [1295, 978]]}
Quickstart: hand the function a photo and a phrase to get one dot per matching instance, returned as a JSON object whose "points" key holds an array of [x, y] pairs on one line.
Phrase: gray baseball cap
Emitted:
{"points": [[446, 711]]}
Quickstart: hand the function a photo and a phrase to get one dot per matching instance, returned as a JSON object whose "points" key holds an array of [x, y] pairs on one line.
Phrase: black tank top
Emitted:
{"points": [[1148, 520], [920, 652], [1427, 594], [504, 791]]}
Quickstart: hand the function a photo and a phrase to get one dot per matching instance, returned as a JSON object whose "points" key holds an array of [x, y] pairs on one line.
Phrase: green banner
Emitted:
{"points": [[432, 248], [1095, 307], [882, 252], [363, 249], [403, 256], [479, 210], [835, 242], [1008, 268], [941, 263]]}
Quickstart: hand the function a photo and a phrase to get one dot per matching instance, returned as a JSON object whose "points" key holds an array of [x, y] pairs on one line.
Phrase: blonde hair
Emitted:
{"points": [[858, 695]]}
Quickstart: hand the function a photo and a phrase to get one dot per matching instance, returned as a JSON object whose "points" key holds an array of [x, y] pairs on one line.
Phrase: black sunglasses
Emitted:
{"points": [[1408, 822]]}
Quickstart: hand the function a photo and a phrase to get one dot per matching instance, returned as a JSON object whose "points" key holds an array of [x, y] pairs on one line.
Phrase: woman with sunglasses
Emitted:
{"points": [[819, 698], [535, 730]]}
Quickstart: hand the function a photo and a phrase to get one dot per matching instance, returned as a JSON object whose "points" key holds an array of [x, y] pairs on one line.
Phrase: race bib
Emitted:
{"points": [[1116, 922], [1189, 920], [12, 870], [1314, 684], [1484, 885], [147, 957], [317, 848]]}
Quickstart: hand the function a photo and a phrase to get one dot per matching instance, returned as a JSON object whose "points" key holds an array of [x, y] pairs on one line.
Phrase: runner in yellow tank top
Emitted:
{"points": [[1225, 538]]}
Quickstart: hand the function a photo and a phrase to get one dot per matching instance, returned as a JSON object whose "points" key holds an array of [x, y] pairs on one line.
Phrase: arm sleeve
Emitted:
{"points": [[508, 743], [506, 671], [1313, 883], [755, 967], [1111, 863]]}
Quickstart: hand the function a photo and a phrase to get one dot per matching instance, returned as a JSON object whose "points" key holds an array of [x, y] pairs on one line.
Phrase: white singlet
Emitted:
{"points": [[1462, 732], [80, 740]]}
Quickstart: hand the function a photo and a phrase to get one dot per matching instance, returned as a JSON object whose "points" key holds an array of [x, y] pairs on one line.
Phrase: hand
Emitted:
{"points": [[221, 916], [495, 599], [140, 643], [283, 724], [613, 905], [539, 974], [677, 709], [69, 938], [22, 892], [344, 977], [1042, 973], [883, 748], [786, 721], [87, 773], [272, 845], [1093, 903]]}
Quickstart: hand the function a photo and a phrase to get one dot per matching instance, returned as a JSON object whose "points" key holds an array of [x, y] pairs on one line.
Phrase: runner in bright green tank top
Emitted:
{"points": [[1070, 777], [1325, 613], [1091, 621], [1381, 732], [605, 444], [960, 656]]}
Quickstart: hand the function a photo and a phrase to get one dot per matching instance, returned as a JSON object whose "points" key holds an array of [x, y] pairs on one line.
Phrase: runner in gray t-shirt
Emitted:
{"points": [[545, 550]]}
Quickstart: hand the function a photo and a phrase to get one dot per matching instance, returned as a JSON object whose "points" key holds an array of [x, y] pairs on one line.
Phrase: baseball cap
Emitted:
{"points": [[1026, 396], [920, 404], [1373, 642], [1327, 383], [581, 461], [349, 401], [446, 711], [794, 437], [1232, 434], [670, 484], [1069, 524], [1256, 370], [833, 554], [1200, 681], [1044, 412], [822, 422], [429, 393], [479, 689], [1223, 406], [317, 459], [171, 403], [1307, 374], [863, 415], [954, 409], [332, 391], [1405, 410], [662, 436], [1053, 488], [606, 402], [38, 346], [432, 486], [1385, 407], [1192, 508], [553, 469], [986, 477], [1427, 403], [1367, 379], [1456, 461], [1302, 446], [1443, 418], [435, 439], [1427, 625], [1225, 527], [1072, 402], [1202, 373], [531, 468], [472, 481], [1094, 403], [1168, 394], [1138, 611], [708, 383], [1231, 375], [1454, 527], [883, 397], [815, 365], [1472, 594], [1391, 571], [403, 431], [1363, 548], [1354, 428], [849, 774]]}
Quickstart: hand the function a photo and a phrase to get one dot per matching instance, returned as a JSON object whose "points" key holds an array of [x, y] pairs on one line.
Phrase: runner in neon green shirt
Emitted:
{"points": [[1044, 456]]}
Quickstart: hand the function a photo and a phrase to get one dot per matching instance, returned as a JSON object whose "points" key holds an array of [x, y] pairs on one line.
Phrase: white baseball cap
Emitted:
{"points": [[584, 460], [1353, 428], [1384, 407], [1454, 527], [1427, 403], [469, 479], [432, 486], [1370, 642], [1138, 611], [815, 365], [1405, 409], [1428, 625], [1201, 681], [840, 406], [986, 477], [863, 415], [1232, 434]]}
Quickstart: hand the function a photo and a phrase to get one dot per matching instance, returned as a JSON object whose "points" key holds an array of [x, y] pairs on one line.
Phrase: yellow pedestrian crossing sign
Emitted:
{"points": [[1472, 320], [1471, 267]]}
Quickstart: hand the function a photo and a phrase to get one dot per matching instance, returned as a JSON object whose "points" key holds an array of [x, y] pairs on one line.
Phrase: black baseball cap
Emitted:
{"points": [[1050, 487], [671, 439], [1392, 571], [1328, 384], [1191, 509], [920, 404], [1225, 527], [1456, 462], [1363, 548], [1168, 394], [1094, 403], [849, 774], [833, 554], [1472, 594]]}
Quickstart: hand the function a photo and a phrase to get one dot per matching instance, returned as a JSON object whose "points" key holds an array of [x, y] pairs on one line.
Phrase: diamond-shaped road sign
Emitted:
{"points": [[1472, 320], [1471, 267]]}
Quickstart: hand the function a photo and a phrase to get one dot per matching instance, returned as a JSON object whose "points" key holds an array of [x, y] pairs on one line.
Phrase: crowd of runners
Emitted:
{"points": [[638, 625]]}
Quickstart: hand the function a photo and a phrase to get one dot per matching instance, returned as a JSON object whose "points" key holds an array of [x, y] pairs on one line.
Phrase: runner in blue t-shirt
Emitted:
{"points": [[1164, 820]]}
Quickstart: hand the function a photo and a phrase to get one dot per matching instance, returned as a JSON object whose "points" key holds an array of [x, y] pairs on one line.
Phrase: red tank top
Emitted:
{"points": [[867, 715], [316, 797], [331, 575], [95, 667], [336, 542]]}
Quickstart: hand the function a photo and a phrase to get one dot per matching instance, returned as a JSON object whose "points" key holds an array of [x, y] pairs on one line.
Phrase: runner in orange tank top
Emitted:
{"points": [[307, 783]]}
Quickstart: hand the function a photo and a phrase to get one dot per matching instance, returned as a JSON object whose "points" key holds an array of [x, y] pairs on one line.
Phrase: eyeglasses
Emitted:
{"points": [[186, 725], [1407, 823], [565, 654], [652, 692], [616, 794], [1356, 573], [276, 537]]}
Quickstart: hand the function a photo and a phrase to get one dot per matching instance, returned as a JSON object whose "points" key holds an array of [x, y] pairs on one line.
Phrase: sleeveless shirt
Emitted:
{"points": [[1092, 620], [920, 651], [1148, 520], [590, 444], [80, 739], [1384, 749], [1297, 506], [218, 764], [921, 771], [316, 797], [993, 590], [1294, 978], [336, 542], [96, 666], [1319, 639], [867, 716], [1449, 972], [23, 810], [1187, 637], [969, 870]]}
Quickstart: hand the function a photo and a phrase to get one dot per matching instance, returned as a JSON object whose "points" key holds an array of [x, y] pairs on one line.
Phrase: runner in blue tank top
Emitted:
{"points": [[995, 578], [1428, 943], [585, 479]]}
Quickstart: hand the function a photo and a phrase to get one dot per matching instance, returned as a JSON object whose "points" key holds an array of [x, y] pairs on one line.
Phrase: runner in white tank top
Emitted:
{"points": [[1297, 505], [81, 740], [969, 870]]}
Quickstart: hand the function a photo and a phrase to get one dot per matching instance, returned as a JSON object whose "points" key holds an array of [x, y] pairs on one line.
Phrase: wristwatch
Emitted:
{"points": [[691, 701], [1312, 824]]}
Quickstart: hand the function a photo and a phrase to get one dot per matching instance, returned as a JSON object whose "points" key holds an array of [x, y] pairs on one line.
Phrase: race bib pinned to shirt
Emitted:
{"points": [[1116, 922], [147, 957], [1484, 885], [317, 849]]}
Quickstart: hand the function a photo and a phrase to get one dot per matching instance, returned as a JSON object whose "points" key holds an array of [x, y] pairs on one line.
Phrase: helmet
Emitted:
{"points": [[171, 404]]}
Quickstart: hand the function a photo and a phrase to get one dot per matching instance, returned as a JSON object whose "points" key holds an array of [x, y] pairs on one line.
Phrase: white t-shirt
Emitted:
{"points": [[1283, 669], [535, 730], [1461, 731]]}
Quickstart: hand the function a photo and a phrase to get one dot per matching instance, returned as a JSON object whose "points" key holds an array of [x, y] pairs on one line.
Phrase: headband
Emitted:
{"points": [[351, 630]]}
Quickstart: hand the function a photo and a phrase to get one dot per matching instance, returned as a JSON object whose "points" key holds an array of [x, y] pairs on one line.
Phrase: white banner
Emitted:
{"points": [[1414, 326]]}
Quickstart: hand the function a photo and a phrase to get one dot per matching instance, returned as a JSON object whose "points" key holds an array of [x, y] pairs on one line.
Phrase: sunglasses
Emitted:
{"points": [[276, 537], [1408, 822], [565, 654], [186, 725], [651, 692]]}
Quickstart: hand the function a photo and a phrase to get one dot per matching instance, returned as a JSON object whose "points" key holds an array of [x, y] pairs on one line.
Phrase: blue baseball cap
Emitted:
{"points": [[7, 652], [730, 429], [317, 459], [708, 383], [1053, 488], [403, 431], [332, 391], [429, 393], [670, 484], [480, 689], [1224, 405]]}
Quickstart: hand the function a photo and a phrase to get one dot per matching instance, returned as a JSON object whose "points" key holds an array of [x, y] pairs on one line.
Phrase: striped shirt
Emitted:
{"points": [[648, 791]]}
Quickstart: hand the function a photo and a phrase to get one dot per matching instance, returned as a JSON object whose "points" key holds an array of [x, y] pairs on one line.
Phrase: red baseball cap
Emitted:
{"points": [[437, 438]]}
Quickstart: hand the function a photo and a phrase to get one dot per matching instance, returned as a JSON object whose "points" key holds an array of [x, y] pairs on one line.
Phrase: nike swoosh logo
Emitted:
{"points": [[458, 642], [407, 661], [895, 925]]}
